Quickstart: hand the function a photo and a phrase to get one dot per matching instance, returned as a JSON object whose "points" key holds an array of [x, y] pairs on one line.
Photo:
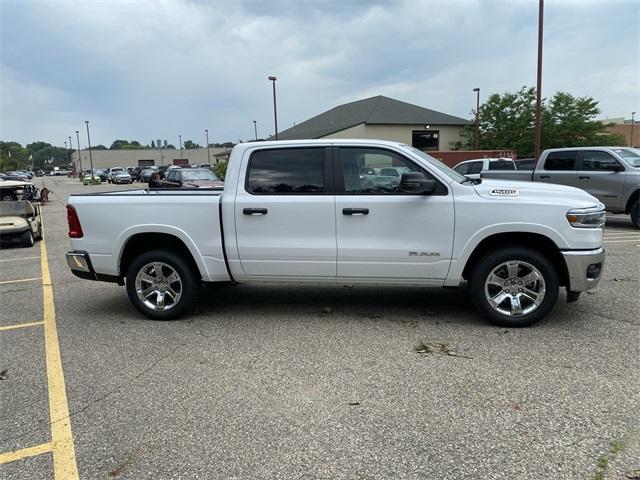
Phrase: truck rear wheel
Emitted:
{"points": [[514, 287], [635, 213], [161, 285]]}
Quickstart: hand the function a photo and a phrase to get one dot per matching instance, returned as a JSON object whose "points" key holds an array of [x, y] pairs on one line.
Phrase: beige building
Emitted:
{"points": [[136, 158], [386, 119], [626, 128]]}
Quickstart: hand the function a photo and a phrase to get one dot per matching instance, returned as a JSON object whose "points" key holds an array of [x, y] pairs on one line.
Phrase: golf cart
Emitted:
{"points": [[20, 220], [12, 190]]}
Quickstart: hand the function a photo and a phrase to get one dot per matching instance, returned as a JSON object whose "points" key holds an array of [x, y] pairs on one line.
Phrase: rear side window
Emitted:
{"points": [[561, 160], [474, 167], [501, 165], [286, 171]]}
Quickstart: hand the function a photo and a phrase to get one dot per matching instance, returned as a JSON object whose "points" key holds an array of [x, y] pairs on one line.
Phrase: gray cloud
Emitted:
{"points": [[145, 70]]}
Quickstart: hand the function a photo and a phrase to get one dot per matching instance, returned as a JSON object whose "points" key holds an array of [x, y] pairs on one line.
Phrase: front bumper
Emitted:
{"points": [[584, 268], [80, 264]]}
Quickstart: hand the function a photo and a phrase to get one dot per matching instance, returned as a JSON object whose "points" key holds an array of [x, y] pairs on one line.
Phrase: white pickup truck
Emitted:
{"points": [[308, 211]]}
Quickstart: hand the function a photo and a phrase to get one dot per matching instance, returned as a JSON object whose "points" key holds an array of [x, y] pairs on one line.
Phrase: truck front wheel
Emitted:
{"points": [[514, 287], [161, 285]]}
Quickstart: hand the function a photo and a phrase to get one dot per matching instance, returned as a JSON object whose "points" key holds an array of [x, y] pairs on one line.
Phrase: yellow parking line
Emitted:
{"points": [[64, 455], [21, 325], [20, 281], [24, 453], [18, 259]]}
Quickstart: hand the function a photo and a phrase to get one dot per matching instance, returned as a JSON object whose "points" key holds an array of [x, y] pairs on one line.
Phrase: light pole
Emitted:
{"points": [[477, 90], [79, 155], [180, 139], [71, 152], [275, 109], [633, 120], [255, 129], [93, 179], [539, 79], [206, 133]]}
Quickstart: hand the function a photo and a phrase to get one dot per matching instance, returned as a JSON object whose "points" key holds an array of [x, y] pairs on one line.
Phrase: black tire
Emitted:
{"points": [[27, 239], [521, 259], [9, 197], [38, 235], [635, 213], [188, 291]]}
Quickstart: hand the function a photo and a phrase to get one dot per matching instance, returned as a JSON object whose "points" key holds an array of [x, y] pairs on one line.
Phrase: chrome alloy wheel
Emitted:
{"points": [[158, 285], [515, 288]]}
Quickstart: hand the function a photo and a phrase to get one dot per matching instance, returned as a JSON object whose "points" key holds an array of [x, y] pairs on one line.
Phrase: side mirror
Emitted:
{"points": [[416, 182]]}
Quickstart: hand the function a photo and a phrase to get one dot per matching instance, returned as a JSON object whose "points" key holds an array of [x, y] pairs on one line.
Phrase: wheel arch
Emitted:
{"points": [[141, 242], [534, 241], [632, 198]]}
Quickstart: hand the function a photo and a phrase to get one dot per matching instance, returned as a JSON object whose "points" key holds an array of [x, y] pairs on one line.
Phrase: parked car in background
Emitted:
{"points": [[20, 220], [86, 179], [193, 177], [162, 170], [18, 177], [133, 171], [473, 168], [146, 174], [118, 175], [611, 174]]}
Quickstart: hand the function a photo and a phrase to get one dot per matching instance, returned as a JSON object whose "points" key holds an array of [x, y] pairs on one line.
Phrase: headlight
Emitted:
{"points": [[593, 217]]}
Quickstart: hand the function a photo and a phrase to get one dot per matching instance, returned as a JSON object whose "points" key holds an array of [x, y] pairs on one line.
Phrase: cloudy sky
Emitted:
{"points": [[142, 69]]}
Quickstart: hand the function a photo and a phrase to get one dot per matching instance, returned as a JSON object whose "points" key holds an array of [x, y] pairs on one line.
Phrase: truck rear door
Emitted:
{"points": [[285, 213], [559, 168]]}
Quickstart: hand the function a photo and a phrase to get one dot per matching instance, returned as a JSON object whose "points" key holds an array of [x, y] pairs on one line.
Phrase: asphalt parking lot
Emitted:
{"points": [[312, 382]]}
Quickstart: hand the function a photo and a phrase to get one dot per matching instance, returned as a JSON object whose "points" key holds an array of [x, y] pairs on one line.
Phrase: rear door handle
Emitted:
{"points": [[355, 211], [584, 178], [254, 211], [545, 176]]}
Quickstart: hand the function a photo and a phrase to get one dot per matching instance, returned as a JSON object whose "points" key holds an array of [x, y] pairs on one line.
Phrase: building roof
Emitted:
{"points": [[373, 110]]}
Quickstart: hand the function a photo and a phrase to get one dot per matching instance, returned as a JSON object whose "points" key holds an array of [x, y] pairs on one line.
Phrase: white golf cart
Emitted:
{"points": [[20, 220]]}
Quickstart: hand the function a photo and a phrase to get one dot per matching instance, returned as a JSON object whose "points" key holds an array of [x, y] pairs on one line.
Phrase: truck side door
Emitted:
{"points": [[559, 168], [382, 232], [285, 213], [598, 176]]}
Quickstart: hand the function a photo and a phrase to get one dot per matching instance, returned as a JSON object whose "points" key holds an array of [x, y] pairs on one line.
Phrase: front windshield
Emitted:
{"points": [[452, 174], [198, 175], [629, 155]]}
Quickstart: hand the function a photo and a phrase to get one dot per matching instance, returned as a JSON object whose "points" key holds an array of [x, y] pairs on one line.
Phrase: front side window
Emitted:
{"points": [[375, 171], [286, 171], [561, 161], [474, 168], [598, 160], [462, 168]]}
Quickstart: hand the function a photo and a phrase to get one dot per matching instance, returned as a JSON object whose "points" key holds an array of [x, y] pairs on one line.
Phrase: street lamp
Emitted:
{"points": [[93, 179], [206, 133], [180, 139], [255, 129], [275, 110], [71, 152], [633, 120], [477, 90], [79, 156], [539, 79]]}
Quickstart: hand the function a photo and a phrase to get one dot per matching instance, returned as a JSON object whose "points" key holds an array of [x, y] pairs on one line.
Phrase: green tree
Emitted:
{"points": [[507, 121], [190, 145]]}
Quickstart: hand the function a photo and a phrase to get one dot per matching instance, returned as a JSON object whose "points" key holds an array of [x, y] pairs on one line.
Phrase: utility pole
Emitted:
{"points": [[539, 80], [275, 109], [255, 129], [93, 179], [477, 90], [180, 139], [206, 133], [79, 154], [633, 119]]}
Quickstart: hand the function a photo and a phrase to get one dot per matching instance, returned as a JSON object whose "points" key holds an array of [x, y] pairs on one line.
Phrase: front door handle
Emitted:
{"points": [[584, 178], [254, 211], [355, 211], [545, 176]]}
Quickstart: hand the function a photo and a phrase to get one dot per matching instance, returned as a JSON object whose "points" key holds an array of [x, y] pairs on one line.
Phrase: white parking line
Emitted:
{"points": [[19, 259], [631, 240]]}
